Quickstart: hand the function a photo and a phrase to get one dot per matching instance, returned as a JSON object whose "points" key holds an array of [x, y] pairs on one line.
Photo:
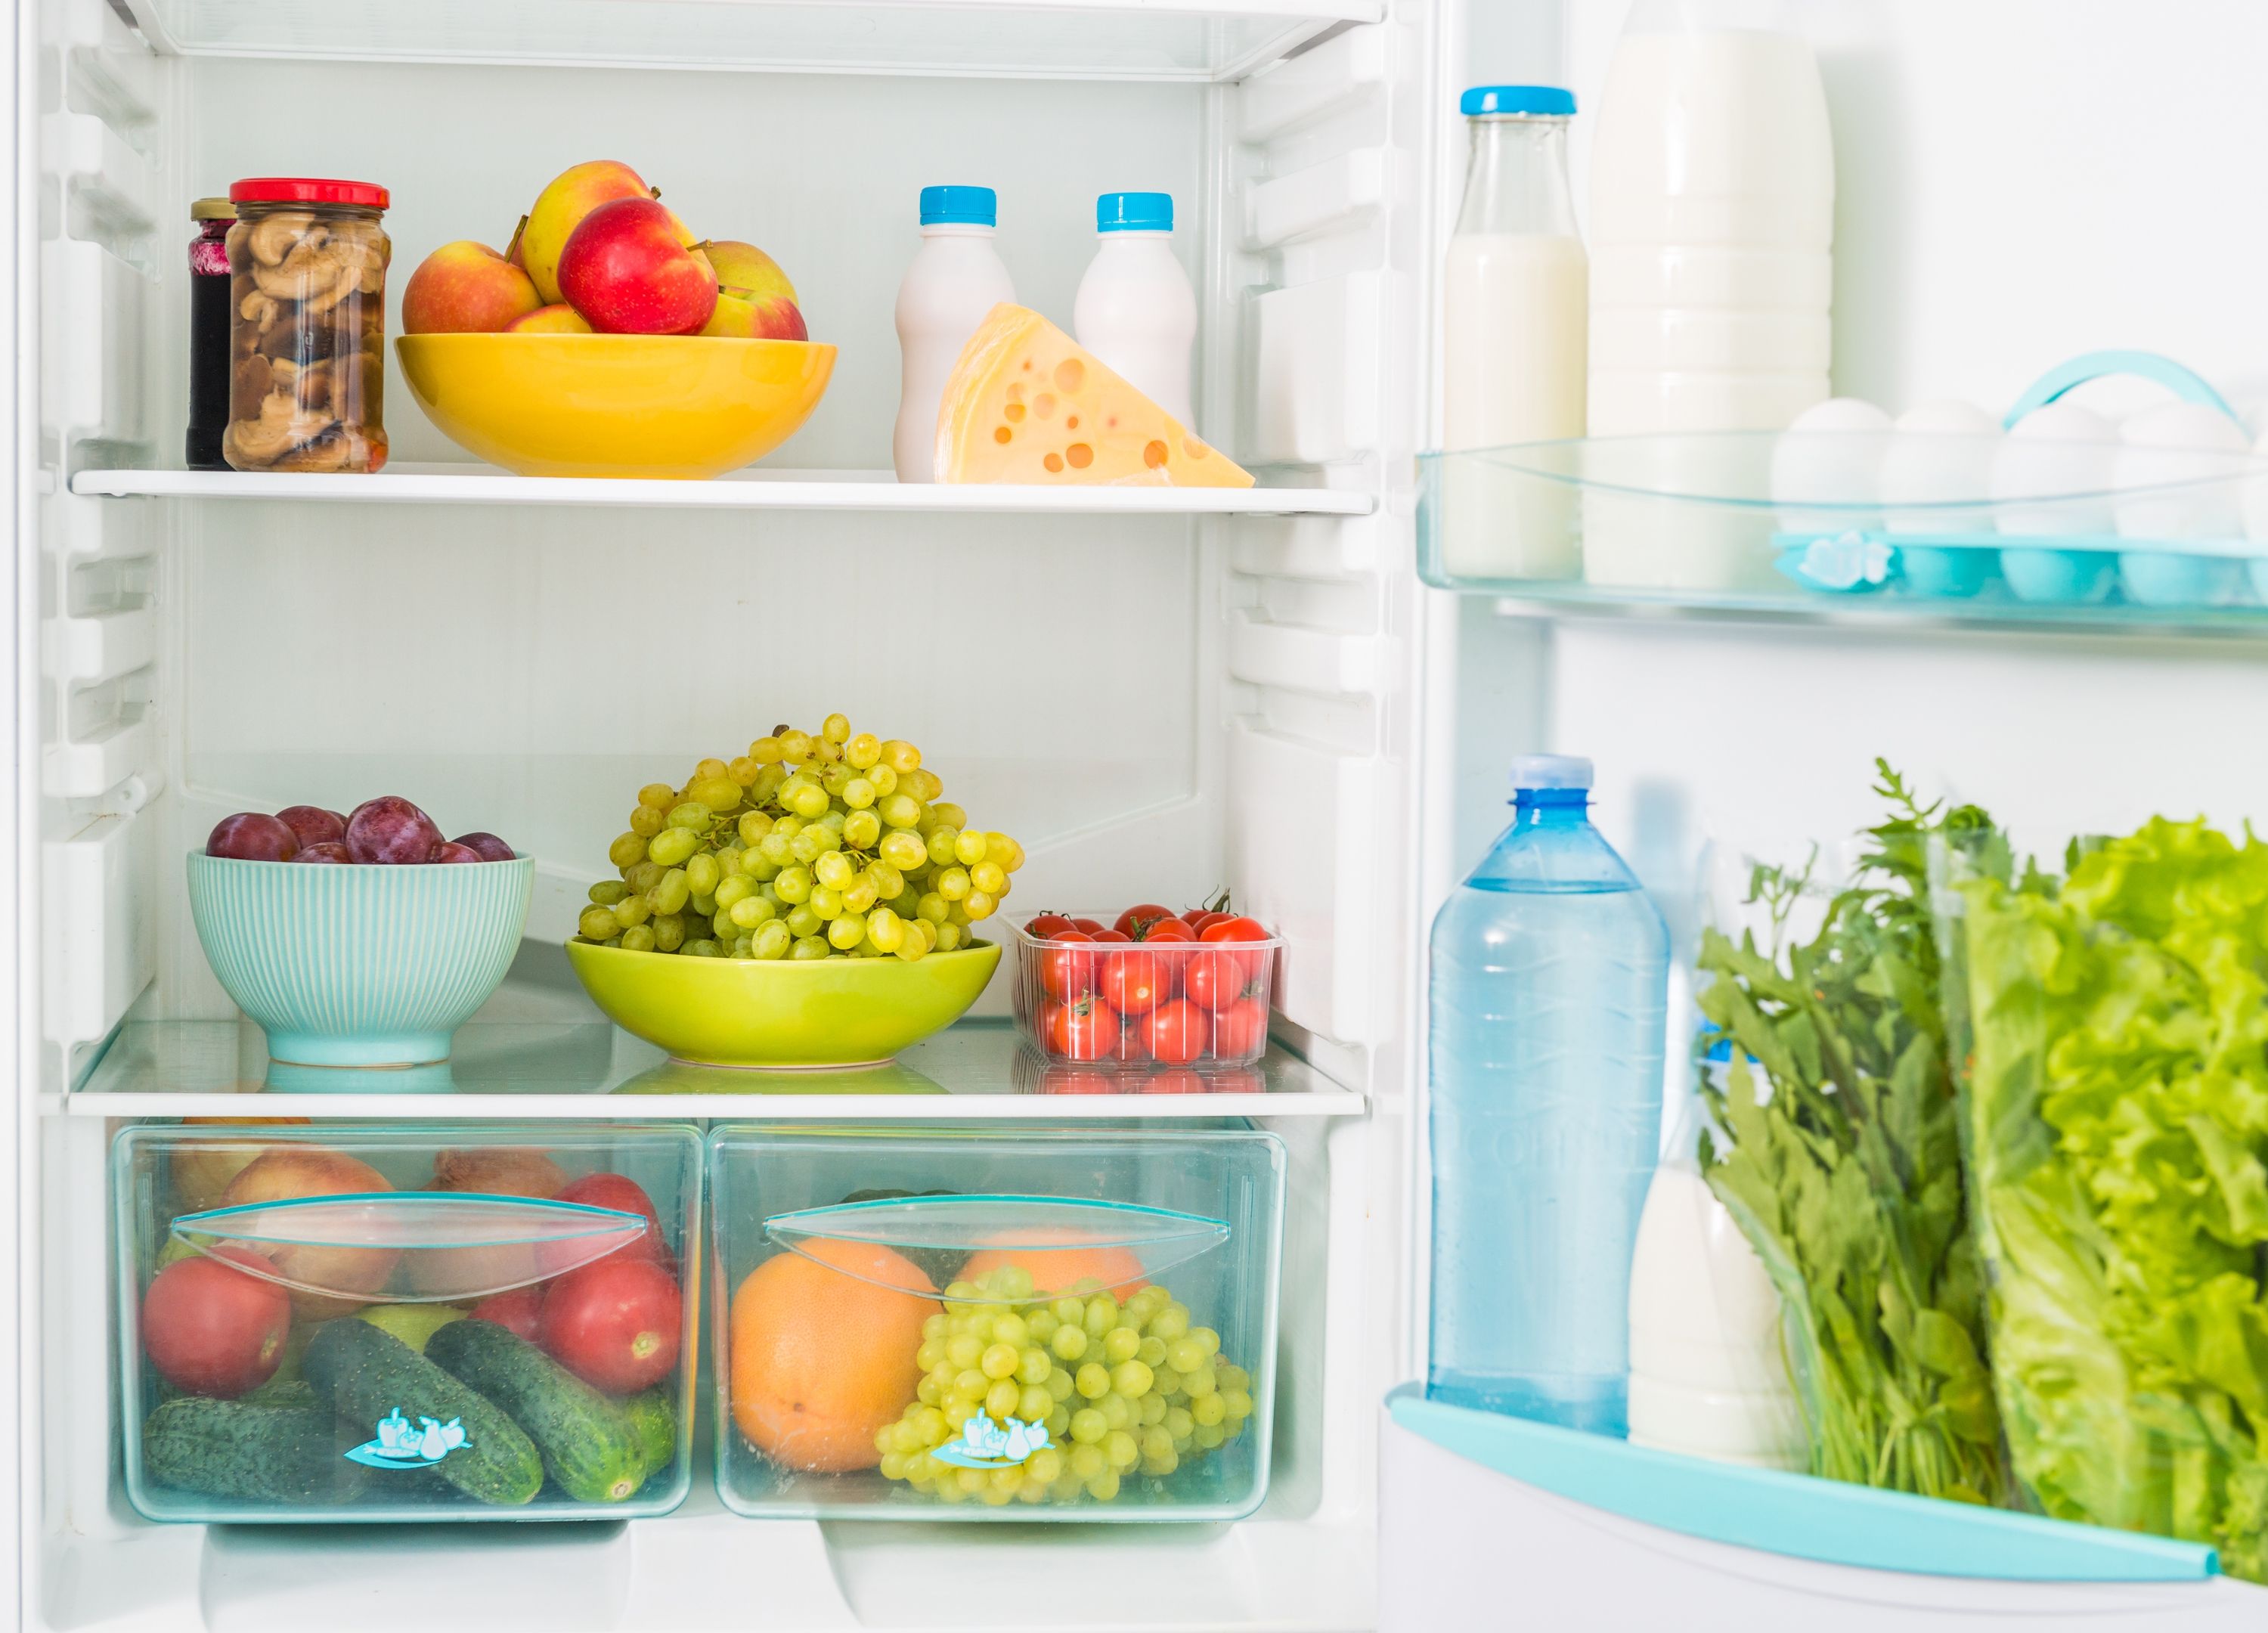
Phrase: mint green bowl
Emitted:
{"points": [[351, 965]]}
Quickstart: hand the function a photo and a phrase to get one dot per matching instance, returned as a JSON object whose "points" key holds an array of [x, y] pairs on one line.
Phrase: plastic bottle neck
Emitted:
{"points": [[1551, 807], [956, 229]]}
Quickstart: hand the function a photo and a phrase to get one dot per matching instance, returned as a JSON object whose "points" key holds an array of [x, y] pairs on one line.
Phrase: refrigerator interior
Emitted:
{"points": [[1155, 704], [2016, 184]]}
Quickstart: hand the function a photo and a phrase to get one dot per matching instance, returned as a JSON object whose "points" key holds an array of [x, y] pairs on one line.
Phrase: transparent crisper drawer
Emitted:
{"points": [[350, 1322], [1042, 1325]]}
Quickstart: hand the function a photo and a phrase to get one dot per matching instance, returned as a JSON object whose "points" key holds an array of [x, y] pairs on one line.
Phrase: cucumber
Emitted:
{"points": [[366, 1374], [655, 1420], [590, 1444], [264, 1454], [282, 1392]]}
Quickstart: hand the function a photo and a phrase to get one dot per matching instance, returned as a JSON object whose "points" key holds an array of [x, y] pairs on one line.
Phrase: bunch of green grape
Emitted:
{"points": [[1124, 1389], [812, 845]]}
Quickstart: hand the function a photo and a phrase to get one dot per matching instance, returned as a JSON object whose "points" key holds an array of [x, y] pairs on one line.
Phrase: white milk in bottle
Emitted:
{"points": [[1712, 228], [1513, 322], [956, 278], [1135, 308]]}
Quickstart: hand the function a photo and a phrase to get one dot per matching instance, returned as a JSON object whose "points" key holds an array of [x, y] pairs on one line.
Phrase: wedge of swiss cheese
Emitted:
{"points": [[1026, 404]]}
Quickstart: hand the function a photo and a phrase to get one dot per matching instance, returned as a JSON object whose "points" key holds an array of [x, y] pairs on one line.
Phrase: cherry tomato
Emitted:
{"points": [[1133, 918], [1215, 979], [1136, 983], [1090, 926], [1078, 1080], [1066, 974], [1179, 1080], [1084, 1029], [1237, 929], [1042, 926], [519, 1311], [1131, 1045], [1176, 1032], [1199, 921], [1167, 930], [1239, 1031], [1110, 935], [606, 1190]]}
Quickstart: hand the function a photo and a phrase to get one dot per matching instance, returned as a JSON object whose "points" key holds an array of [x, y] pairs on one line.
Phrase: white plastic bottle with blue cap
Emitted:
{"points": [[956, 278], [1550, 981], [1136, 309]]}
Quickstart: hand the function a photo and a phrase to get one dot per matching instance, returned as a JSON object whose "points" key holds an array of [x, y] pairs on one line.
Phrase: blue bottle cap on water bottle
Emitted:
{"points": [[1550, 771], [960, 206], [1134, 212], [1544, 101]]}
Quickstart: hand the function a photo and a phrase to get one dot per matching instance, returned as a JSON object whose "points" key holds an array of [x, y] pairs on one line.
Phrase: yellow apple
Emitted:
{"points": [[573, 194], [754, 299], [555, 320]]}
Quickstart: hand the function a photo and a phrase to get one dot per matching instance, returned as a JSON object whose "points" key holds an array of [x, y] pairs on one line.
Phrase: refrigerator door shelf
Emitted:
{"points": [[1604, 1535]]}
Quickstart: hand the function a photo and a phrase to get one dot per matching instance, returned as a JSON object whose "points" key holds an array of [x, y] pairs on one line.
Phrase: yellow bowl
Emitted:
{"points": [[615, 405], [784, 1012]]}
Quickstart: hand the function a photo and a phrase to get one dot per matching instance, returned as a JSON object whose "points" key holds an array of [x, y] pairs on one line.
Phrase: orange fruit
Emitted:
{"points": [[1057, 1269], [821, 1356]]}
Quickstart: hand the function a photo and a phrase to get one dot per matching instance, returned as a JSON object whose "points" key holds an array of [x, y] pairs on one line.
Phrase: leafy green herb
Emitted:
{"points": [[2118, 1123], [1842, 1163]]}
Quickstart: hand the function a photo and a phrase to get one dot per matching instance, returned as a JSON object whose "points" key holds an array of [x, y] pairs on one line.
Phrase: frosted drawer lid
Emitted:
{"points": [[410, 1246], [1066, 1244]]}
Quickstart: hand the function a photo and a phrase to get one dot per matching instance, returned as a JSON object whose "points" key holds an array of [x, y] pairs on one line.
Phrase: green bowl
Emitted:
{"points": [[783, 1012]]}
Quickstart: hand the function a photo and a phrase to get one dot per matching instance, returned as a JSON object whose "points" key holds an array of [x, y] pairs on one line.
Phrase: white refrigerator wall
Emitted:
{"points": [[2017, 182]]}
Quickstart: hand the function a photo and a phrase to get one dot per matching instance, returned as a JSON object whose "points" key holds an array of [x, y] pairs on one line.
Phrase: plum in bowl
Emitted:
{"points": [[370, 949]]}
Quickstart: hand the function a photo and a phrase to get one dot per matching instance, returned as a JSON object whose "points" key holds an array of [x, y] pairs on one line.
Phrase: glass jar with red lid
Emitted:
{"points": [[307, 263]]}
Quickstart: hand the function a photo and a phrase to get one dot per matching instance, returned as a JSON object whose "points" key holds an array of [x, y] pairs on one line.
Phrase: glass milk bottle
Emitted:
{"points": [[1514, 320]]}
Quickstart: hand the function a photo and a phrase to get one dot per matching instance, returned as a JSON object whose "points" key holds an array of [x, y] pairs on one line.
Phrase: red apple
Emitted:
{"points": [[347, 1275], [465, 288], [627, 271], [572, 194]]}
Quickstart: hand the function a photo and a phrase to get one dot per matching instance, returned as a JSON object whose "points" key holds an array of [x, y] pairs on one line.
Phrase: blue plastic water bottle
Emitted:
{"points": [[1549, 978]]}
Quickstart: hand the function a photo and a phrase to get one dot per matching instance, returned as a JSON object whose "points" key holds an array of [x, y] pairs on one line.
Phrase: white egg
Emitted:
{"points": [[2061, 449], [2196, 456], [1831, 455], [1941, 453]]}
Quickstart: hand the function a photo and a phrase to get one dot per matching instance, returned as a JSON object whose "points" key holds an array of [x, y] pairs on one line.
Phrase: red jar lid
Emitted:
{"points": [[306, 190]]}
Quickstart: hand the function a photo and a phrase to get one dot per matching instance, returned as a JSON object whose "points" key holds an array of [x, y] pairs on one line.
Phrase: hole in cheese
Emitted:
{"points": [[1154, 454], [1054, 461], [1001, 433], [1071, 374], [1044, 405], [1013, 413], [1081, 456], [1071, 425]]}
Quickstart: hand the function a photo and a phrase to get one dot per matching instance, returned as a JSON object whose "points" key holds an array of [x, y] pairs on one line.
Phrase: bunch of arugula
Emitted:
{"points": [[1842, 1165], [2118, 1129]]}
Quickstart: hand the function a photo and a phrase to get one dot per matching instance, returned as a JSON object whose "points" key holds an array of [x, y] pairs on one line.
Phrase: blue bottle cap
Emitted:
{"points": [[1548, 101], [968, 207], [1550, 771], [1134, 212]]}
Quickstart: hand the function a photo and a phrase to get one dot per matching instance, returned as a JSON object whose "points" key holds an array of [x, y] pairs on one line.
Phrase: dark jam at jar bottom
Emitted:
{"points": [[207, 370]]}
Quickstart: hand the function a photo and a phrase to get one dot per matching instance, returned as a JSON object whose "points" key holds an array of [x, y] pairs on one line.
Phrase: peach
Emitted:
{"points": [[560, 320], [628, 270], [465, 288], [573, 194]]}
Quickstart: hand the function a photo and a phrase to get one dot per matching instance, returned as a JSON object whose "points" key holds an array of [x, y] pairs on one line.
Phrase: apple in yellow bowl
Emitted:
{"points": [[784, 1011], [688, 405]]}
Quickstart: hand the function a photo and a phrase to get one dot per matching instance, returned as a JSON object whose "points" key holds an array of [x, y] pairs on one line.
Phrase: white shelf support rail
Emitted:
{"points": [[99, 620]]}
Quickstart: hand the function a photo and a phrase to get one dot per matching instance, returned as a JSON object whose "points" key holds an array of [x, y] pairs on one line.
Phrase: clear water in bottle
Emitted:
{"points": [[1550, 970]]}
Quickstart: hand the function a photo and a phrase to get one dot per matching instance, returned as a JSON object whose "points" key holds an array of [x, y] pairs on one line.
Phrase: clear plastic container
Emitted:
{"points": [[308, 326], [411, 1323], [1145, 1005], [1044, 1324]]}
